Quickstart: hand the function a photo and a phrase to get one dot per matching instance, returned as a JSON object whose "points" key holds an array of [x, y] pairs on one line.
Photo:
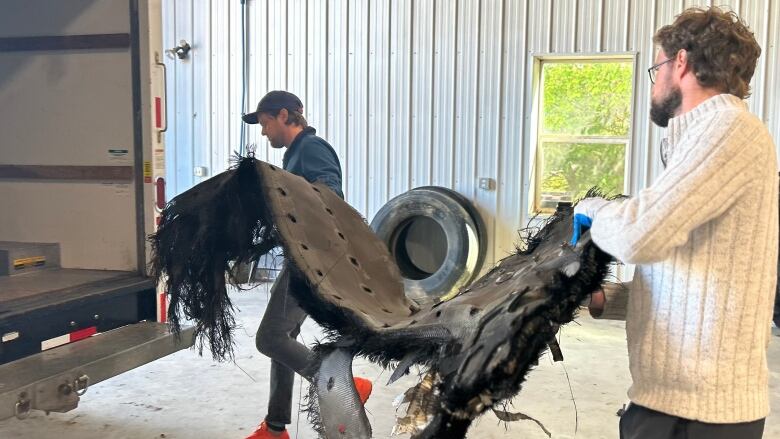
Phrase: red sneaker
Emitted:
{"points": [[364, 388], [263, 432]]}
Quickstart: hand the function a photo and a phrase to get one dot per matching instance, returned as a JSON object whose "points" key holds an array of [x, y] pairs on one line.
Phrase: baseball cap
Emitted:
{"points": [[274, 101]]}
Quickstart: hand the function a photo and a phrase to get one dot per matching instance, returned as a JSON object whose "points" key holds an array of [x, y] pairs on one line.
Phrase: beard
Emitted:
{"points": [[661, 112]]}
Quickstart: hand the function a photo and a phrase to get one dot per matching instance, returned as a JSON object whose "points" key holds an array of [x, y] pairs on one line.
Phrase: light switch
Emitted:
{"points": [[201, 171]]}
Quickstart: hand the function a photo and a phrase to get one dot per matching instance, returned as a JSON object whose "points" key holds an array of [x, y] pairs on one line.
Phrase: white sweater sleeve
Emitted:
{"points": [[695, 189]]}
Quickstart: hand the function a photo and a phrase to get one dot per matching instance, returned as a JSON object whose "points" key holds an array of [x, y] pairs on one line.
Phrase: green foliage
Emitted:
{"points": [[576, 167], [587, 98], [583, 100]]}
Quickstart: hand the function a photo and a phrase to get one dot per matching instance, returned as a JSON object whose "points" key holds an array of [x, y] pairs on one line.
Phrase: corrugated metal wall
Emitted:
{"points": [[418, 92]]}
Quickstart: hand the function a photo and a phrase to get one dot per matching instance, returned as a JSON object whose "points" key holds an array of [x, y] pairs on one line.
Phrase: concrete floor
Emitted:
{"points": [[184, 396]]}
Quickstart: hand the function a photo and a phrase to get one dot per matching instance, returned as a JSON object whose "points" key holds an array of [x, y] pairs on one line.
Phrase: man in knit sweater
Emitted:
{"points": [[704, 237]]}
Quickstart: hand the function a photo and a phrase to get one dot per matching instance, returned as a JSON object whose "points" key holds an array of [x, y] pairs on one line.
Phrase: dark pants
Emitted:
{"points": [[643, 423], [276, 339]]}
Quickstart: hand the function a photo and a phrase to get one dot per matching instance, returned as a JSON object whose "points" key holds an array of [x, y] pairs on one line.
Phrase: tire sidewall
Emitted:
{"points": [[455, 222]]}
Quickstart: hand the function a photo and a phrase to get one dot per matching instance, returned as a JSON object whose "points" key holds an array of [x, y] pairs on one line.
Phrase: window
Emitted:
{"points": [[584, 129]]}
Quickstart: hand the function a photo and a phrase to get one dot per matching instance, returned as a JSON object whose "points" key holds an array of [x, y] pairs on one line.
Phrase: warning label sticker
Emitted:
{"points": [[34, 261], [147, 171]]}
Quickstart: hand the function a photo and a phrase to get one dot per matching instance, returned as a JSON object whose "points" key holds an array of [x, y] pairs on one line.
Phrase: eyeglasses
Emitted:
{"points": [[654, 69]]}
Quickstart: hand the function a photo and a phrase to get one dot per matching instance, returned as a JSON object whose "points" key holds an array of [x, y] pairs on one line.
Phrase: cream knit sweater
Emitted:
{"points": [[704, 238]]}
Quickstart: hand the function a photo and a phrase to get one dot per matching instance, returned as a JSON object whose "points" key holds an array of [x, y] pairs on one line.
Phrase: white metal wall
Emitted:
{"points": [[418, 92]]}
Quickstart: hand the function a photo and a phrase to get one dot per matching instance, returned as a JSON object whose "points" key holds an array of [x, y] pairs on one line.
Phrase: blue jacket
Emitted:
{"points": [[313, 158]]}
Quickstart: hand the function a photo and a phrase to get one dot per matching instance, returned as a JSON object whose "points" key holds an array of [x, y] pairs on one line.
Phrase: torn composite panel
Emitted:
{"points": [[480, 345]]}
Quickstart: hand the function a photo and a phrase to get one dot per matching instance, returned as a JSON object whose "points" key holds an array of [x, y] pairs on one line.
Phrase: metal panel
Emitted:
{"points": [[589, 22], [297, 40], [540, 26], [184, 89], [400, 96], [112, 174], [698, 3], [238, 101], [220, 117], [564, 26], [644, 136], [46, 88], [72, 17], [40, 376], [316, 104], [118, 300], [66, 42], [421, 116], [275, 32], [513, 124], [86, 101], [614, 26], [357, 106], [466, 89], [759, 24], [338, 80], [378, 105], [259, 47], [277, 36], [444, 74], [772, 52], [491, 84], [201, 96], [171, 136], [429, 92]]}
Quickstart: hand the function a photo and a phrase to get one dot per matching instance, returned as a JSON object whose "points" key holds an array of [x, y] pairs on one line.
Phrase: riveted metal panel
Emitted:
{"points": [[420, 92]]}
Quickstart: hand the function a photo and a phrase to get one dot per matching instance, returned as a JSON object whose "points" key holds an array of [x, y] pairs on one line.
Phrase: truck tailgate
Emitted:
{"points": [[53, 380], [41, 310]]}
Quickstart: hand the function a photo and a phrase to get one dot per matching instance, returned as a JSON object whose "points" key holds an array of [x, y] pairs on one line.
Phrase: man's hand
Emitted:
{"points": [[609, 302], [597, 302], [584, 212]]}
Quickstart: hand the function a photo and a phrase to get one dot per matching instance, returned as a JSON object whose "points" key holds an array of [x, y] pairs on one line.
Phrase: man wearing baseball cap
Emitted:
{"points": [[280, 114]]}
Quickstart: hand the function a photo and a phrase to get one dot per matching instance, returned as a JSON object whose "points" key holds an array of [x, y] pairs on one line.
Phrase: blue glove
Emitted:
{"points": [[582, 222]]}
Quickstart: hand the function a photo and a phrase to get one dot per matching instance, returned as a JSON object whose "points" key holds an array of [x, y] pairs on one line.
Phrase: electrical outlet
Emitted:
{"points": [[486, 184], [200, 171]]}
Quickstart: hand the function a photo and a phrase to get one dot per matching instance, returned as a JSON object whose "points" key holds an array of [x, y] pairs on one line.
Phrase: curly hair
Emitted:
{"points": [[721, 48]]}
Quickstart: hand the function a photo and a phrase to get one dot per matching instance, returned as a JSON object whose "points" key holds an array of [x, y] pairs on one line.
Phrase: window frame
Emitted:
{"points": [[537, 118]]}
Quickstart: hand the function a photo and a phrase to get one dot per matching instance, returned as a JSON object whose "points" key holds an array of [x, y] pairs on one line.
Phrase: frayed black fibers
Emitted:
{"points": [[345, 329], [222, 221], [486, 366], [481, 343]]}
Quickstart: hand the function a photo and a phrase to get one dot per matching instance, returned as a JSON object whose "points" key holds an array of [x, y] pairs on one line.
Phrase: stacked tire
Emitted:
{"points": [[437, 239]]}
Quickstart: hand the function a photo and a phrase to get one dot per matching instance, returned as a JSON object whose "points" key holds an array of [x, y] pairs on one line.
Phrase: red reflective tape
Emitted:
{"points": [[158, 112], [160, 192], [163, 308], [83, 333]]}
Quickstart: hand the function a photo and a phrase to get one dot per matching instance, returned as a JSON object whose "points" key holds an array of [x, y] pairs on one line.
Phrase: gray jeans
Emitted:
{"points": [[276, 339], [643, 423]]}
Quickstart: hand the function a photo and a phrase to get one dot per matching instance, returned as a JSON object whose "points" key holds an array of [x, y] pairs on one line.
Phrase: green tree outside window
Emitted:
{"points": [[584, 129]]}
